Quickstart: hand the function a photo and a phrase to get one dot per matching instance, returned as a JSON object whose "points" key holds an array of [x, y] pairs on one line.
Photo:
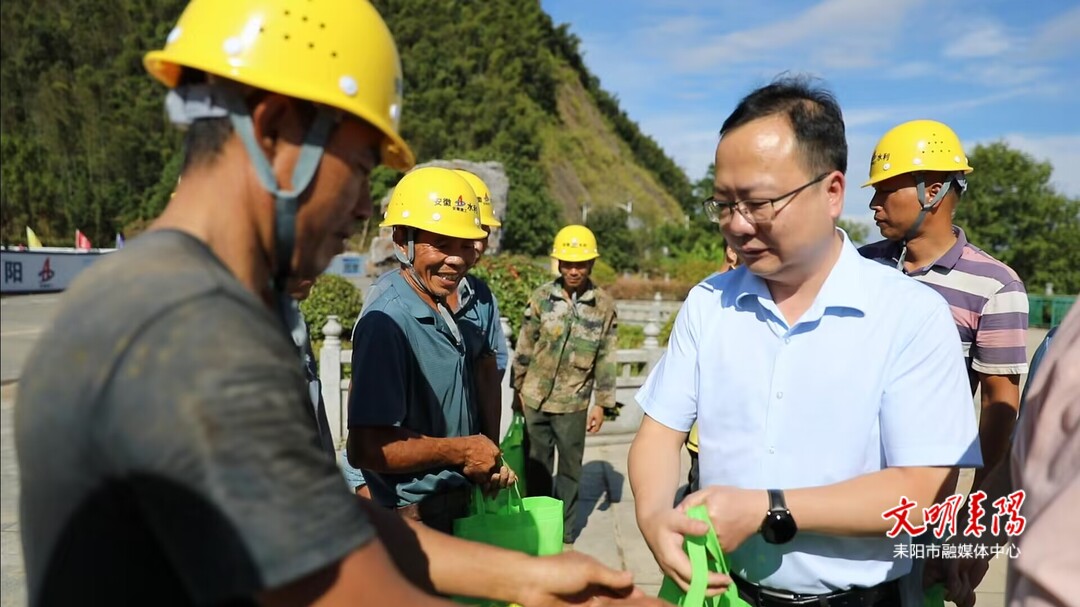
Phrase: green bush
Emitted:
{"points": [[631, 336], [331, 295], [512, 279], [665, 331], [603, 274], [691, 269]]}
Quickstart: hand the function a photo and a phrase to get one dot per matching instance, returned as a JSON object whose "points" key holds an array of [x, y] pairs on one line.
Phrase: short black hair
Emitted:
{"points": [[204, 139], [813, 113]]}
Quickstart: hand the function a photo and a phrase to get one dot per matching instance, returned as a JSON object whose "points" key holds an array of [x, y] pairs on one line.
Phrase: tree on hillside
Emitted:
{"points": [[532, 217], [619, 247], [857, 232], [1012, 212], [85, 141]]}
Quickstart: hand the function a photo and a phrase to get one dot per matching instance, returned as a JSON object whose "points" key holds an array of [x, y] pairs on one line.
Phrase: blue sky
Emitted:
{"points": [[991, 69]]}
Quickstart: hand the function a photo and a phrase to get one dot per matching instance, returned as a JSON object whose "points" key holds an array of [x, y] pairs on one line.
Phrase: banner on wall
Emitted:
{"points": [[52, 269], [44, 270]]}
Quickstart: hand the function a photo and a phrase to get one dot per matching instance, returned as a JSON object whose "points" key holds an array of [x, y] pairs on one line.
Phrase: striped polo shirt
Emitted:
{"points": [[988, 301]]}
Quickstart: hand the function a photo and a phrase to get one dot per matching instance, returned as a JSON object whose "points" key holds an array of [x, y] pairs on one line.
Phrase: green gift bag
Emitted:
{"points": [[513, 446], [934, 596], [533, 525], [705, 556]]}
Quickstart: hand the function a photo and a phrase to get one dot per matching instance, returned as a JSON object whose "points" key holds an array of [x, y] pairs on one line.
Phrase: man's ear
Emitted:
{"points": [[399, 237], [835, 185], [274, 117], [932, 191]]}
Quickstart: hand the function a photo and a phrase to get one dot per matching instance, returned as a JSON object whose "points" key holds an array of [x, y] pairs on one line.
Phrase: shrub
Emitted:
{"points": [[331, 295], [665, 331], [638, 287], [512, 279], [631, 336], [603, 274], [688, 269]]}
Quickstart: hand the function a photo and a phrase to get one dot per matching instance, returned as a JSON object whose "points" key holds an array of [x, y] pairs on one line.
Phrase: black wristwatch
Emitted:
{"points": [[779, 526]]}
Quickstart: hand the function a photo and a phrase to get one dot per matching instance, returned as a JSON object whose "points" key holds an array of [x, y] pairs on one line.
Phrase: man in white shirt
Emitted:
{"points": [[812, 374]]}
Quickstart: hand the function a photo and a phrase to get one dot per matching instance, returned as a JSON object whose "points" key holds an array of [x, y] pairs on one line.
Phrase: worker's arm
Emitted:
{"points": [[391, 449], [489, 397], [411, 561], [1000, 404], [364, 577]]}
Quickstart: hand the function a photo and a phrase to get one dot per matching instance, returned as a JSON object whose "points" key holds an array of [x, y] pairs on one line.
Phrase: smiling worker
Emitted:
{"points": [[414, 426]]}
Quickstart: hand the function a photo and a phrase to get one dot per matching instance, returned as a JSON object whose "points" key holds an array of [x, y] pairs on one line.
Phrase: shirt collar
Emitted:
{"points": [[465, 292], [417, 307], [947, 261], [558, 291], [409, 298], [842, 289]]}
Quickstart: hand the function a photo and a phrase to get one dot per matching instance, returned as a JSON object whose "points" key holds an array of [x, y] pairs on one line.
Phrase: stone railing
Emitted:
{"points": [[642, 311], [633, 367]]}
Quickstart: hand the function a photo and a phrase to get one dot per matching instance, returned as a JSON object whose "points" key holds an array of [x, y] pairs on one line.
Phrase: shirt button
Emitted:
{"points": [[787, 340], [772, 449], [779, 395]]}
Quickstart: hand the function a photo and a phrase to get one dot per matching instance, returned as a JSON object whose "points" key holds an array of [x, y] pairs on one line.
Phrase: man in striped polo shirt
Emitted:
{"points": [[918, 173]]}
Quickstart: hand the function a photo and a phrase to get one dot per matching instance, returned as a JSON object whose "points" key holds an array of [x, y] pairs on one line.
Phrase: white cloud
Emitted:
{"points": [[912, 69], [1058, 36], [689, 139], [1062, 151], [987, 40], [866, 116], [998, 75], [833, 34], [891, 115]]}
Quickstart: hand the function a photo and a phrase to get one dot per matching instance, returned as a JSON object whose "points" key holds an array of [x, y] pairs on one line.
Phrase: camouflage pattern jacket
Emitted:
{"points": [[566, 349]]}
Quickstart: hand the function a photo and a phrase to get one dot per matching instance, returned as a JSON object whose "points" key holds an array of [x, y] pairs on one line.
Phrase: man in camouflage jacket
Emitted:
{"points": [[565, 352]]}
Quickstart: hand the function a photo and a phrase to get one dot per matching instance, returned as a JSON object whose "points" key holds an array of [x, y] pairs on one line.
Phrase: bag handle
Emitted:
{"points": [[702, 550], [517, 420], [513, 504]]}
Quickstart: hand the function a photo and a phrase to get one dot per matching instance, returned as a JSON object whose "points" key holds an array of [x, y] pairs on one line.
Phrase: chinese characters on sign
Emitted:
{"points": [[942, 517], [13, 272], [953, 551]]}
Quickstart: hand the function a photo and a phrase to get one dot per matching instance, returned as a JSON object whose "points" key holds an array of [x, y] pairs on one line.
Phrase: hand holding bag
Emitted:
{"points": [[705, 557]]}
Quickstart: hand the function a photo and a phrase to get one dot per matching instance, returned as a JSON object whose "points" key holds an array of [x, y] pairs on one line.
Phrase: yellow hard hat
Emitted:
{"points": [[335, 52], [436, 200], [575, 243], [918, 145], [483, 196]]}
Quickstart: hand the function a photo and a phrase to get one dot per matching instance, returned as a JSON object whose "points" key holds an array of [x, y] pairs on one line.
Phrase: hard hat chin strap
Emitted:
{"points": [[189, 103], [925, 208], [440, 303]]}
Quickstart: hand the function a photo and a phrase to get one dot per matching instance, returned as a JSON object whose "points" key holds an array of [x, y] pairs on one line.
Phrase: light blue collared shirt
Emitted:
{"points": [[871, 376]]}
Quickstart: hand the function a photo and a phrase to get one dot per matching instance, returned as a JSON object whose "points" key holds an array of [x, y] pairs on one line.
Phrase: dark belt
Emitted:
{"points": [[885, 593], [439, 510]]}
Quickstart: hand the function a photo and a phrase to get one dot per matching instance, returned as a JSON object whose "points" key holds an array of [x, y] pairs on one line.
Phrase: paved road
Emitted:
{"points": [[12, 578], [22, 319]]}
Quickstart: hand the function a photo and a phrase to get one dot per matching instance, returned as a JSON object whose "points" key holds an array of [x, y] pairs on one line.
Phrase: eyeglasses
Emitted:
{"points": [[761, 210]]}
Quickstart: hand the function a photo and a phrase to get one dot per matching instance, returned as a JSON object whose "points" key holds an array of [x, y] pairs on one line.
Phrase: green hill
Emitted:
{"points": [[85, 143]]}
